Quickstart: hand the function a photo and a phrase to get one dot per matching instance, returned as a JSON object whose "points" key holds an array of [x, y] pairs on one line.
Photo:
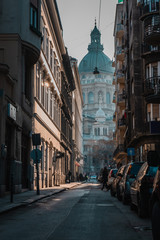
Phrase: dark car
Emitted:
{"points": [[129, 176], [116, 180], [141, 189], [153, 160], [111, 177]]}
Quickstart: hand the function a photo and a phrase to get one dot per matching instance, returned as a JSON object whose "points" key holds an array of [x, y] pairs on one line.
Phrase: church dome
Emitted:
{"points": [[95, 56]]}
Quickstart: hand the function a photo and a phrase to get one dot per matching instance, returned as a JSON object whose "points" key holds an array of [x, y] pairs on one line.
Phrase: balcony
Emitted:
{"points": [[148, 7], [121, 99], [152, 30], [119, 151], [114, 82], [152, 89], [152, 127], [122, 123], [120, 76], [114, 98], [114, 135], [114, 117], [150, 51], [119, 30], [120, 54]]}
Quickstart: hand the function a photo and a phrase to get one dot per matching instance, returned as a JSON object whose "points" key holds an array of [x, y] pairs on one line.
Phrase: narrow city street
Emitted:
{"points": [[84, 212]]}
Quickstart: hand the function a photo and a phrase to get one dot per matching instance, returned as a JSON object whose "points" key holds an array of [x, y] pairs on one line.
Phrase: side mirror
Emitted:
{"points": [[153, 159]]}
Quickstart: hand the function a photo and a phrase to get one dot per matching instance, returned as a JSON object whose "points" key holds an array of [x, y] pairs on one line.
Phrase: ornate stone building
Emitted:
{"points": [[98, 93]]}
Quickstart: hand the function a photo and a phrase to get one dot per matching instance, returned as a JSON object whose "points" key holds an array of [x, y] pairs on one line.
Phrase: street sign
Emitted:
{"points": [[36, 139], [130, 151], [36, 155]]}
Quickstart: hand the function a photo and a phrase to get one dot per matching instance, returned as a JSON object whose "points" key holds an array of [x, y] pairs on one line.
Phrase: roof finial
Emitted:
{"points": [[95, 23]]}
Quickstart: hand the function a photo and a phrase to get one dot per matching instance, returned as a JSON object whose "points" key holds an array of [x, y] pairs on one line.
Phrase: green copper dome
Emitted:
{"points": [[95, 56]]}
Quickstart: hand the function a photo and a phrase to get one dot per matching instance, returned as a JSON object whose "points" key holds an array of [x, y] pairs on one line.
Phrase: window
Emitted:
{"points": [[51, 104], [42, 92], [104, 131], [51, 56], [34, 17], [83, 97], [38, 84], [108, 99], [47, 45], [153, 112], [46, 98], [90, 97]]}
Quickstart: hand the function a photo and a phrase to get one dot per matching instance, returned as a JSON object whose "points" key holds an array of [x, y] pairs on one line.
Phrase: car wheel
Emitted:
{"points": [[118, 195], [112, 192], [142, 211], [132, 206], [155, 221]]}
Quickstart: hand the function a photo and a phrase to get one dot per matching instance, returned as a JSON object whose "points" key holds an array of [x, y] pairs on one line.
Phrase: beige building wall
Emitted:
{"points": [[77, 105], [47, 97]]}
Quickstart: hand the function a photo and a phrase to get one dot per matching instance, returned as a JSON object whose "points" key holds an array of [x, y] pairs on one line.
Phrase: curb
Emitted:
{"points": [[31, 200]]}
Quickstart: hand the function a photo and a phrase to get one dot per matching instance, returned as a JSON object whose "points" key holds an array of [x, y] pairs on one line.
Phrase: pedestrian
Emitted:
{"points": [[104, 178]]}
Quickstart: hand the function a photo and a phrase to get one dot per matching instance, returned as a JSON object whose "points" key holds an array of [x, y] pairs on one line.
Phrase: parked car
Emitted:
{"points": [[111, 177], [116, 180], [153, 159], [141, 189], [130, 173]]}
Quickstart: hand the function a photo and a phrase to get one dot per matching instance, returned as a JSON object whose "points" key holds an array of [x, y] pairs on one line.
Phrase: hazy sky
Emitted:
{"points": [[78, 19]]}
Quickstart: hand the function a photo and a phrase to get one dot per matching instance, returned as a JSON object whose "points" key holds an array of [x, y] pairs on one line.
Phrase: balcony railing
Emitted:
{"points": [[152, 127], [152, 85], [152, 29], [146, 48], [119, 50], [120, 76], [119, 30], [149, 6], [121, 96], [121, 122], [119, 149]]}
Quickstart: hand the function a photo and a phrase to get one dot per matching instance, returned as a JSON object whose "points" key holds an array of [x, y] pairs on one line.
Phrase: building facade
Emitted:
{"points": [[97, 96], [36, 96], [77, 137], [20, 43], [141, 22]]}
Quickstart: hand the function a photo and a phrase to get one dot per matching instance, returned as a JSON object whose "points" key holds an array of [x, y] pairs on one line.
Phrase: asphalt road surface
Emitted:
{"points": [[82, 213]]}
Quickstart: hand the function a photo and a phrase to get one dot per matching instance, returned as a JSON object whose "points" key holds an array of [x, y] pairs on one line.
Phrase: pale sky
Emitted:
{"points": [[78, 20]]}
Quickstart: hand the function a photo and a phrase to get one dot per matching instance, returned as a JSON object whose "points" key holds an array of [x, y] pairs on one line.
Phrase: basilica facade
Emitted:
{"points": [[97, 75]]}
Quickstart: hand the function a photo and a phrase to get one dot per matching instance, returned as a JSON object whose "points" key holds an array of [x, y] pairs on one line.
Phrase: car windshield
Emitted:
{"points": [[152, 171]]}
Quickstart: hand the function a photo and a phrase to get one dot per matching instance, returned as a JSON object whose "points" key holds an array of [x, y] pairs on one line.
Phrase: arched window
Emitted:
{"points": [[83, 97], [108, 98], [105, 131], [95, 131], [90, 97]]}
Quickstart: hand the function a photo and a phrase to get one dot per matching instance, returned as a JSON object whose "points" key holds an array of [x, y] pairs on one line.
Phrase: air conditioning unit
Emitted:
{"points": [[11, 111]]}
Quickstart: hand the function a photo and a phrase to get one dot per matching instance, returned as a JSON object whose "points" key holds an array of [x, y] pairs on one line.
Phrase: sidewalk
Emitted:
{"points": [[29, 197]]}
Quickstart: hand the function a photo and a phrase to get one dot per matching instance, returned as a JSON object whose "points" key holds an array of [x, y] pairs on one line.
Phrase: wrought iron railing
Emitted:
{"points": [[152, 83]]}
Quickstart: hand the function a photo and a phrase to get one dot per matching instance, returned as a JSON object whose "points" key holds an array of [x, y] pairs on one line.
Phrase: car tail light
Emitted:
{"points": [[110, 174]]}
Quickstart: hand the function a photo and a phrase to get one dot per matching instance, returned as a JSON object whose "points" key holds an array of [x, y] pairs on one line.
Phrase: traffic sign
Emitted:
{"points": [[130, 151], [36, 155]]}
